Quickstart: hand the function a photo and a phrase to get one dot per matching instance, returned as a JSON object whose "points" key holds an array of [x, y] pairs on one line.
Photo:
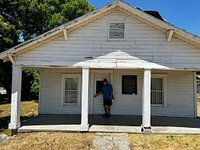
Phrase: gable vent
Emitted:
{"points": [[116, 30]]}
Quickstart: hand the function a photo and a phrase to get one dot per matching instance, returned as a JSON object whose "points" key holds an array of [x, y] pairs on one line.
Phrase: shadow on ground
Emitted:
{"points": [[4, 121]]}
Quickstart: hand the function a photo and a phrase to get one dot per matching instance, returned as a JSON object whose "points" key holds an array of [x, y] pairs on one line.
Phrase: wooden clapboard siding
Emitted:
{"points": [[179, 97], [179, 94], [141, 40], [51, 93], [127, 104], [179, 87]]}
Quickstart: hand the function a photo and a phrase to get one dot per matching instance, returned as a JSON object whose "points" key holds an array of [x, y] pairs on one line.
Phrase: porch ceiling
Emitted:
{"points": [[120, 59]]}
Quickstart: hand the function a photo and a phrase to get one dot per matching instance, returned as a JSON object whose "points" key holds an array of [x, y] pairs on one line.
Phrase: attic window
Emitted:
{"points": [[116, 30]]}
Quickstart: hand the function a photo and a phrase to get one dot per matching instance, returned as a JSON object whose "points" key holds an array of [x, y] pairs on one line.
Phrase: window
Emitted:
{"points": [[129, 84], [99, 86], [157, 91], [71, 89], [116, 30]]}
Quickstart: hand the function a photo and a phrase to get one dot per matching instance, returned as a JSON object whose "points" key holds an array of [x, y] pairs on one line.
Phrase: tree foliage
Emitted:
{"points": [[24, 19], [33, 17], [8, 34]]}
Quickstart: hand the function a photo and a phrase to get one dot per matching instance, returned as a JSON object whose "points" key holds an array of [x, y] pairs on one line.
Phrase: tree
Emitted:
{"points": [[8, 38], [24, 19], [8, 34], [33, 17]]}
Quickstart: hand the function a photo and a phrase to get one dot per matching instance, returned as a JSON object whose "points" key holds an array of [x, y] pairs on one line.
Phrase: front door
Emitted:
{"points": [[98, 84]]}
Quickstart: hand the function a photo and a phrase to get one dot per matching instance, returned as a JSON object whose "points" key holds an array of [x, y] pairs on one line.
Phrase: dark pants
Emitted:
{"points": [[107, 102]]}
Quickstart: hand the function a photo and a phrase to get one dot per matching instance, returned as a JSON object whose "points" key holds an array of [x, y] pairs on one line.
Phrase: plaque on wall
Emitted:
{"points": [[129, 84]]}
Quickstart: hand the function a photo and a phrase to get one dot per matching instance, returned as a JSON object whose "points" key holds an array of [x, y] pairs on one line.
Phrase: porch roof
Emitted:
{"points": [[120, 59]]}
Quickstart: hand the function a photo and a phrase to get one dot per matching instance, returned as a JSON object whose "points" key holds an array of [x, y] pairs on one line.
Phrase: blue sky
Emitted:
{"points": [[182, 13]]}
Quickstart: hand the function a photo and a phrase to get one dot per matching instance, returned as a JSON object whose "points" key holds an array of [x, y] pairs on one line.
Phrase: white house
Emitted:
{"points": [[151, 64]]}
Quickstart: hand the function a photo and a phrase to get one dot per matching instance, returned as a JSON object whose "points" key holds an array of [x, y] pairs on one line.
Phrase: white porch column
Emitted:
{"points": [[146, 102], [15, 97], [85, 96]]}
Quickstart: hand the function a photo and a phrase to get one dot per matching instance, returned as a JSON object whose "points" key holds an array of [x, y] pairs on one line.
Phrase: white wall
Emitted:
{"points": [[179, 94], [142, 41], [179, 97], [50, 92]]}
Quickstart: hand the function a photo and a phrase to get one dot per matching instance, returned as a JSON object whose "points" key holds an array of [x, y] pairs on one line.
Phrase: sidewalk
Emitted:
{"points": [[106, 141]]}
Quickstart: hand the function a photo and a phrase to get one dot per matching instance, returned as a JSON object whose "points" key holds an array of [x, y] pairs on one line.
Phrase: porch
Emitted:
{"points": [[115, 123], [131, 99]]}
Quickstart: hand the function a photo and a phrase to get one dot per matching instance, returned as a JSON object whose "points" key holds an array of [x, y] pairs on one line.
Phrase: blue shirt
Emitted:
{"points": [[106, 90]]}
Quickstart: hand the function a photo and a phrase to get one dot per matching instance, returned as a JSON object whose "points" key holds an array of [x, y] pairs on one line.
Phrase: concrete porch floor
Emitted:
{"points": [[115, 123]]}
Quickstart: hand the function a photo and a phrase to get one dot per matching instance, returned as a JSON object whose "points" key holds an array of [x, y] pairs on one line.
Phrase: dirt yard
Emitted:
{"points": [[165, 142], [49, 141]]}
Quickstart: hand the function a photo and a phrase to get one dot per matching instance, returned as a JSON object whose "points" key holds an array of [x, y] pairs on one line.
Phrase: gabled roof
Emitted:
{"points": [[86, 18]]}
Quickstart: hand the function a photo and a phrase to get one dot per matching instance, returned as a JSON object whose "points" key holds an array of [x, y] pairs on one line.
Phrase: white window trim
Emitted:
{"points": [[163, 76], [64, 76], [108, 32]]}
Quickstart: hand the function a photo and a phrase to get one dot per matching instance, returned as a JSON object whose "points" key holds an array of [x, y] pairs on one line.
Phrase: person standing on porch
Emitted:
{"points": [[107, 92]]}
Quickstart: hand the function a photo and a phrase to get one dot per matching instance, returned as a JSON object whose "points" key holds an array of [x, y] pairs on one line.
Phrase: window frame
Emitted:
{"points": [[163, 77], [64, 76], [108, 32]]}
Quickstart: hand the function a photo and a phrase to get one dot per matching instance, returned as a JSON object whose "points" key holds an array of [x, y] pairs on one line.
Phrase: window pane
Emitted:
{"points": [[71, 84], [158, 84], [159, 98], [67, 84], [153, 98], [71, 96], [67, 97], [153, 84], [157, 91], [71, 90]]}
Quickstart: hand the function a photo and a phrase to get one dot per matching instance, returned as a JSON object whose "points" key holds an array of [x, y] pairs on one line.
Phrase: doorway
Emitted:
{"points": [[98, 84]]}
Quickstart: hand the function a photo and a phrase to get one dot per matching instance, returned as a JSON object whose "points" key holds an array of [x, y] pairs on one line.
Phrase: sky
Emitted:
{"points": [[184, 14]]}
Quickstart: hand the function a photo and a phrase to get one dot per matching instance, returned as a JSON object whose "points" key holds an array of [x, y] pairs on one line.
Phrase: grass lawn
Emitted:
{"points": [[49, 141], [28, 109], [165, 142]]}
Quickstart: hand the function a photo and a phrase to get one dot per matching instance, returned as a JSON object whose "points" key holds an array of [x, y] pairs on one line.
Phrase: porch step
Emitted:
{"points": [[42, 128], [115, 129]]}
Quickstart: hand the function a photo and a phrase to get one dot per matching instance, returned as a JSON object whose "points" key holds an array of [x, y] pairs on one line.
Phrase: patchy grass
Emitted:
{"points": [[48, 141], [28, 109], [165, 142], [74, 141]]}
